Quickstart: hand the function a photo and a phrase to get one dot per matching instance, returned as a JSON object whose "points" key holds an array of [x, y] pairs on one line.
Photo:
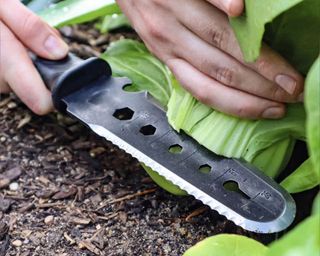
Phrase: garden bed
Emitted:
{"points": [[64, 191]]}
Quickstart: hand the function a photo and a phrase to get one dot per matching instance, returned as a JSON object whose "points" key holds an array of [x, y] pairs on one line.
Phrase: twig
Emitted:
{"points": [[127, 197], [49, 205], [196, 213], [108, 217]]}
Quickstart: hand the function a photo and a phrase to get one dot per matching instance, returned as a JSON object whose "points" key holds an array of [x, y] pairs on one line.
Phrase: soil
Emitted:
{"points": [[65, 191]]}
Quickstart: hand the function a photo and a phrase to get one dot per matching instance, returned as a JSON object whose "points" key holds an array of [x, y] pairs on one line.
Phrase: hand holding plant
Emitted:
{"points": [[194, 39], [22, 30]]}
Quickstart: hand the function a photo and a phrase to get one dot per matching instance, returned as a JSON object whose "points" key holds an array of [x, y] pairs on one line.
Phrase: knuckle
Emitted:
{"points": [[225, 76], [155, 30], [278, 94], [245, 110], [263, 66], [32, 26], [219, 37], [202, 96]]}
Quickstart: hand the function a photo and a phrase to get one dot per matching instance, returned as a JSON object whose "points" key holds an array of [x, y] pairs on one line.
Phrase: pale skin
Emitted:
{"points": [[192, 37]]}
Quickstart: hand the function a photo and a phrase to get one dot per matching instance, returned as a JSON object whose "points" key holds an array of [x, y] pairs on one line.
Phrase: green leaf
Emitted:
{"points": [[304, 240], [303, 178], [71, 12], [295, 34], [316, 205], [267, 144], [112, 22], [227, 245], [249, 28], [132, 59], [312, 103], [165, 184]]}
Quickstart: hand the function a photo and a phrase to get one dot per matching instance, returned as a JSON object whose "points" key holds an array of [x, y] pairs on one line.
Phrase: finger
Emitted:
{"points": [[218, 32], [19, 72], [223, 98], [230, 7], [34, 33], [226, 69]]}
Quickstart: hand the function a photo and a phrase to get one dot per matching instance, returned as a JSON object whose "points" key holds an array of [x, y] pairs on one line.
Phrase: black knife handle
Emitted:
{"points": [[70, 74]]}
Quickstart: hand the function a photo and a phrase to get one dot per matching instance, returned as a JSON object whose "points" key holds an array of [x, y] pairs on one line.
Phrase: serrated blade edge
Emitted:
{"points": [[260, 227]]}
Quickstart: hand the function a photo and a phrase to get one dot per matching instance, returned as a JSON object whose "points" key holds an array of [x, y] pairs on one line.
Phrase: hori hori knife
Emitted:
{"points": [[86, 90]]}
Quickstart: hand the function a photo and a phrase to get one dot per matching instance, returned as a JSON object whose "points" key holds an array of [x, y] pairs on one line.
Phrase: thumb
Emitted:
{"points": [[33, 32]]}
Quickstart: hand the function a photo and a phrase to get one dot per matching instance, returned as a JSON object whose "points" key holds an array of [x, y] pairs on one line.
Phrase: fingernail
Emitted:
{"points": [[56, 47], [286, 82], [301, 97], [273, 113]]}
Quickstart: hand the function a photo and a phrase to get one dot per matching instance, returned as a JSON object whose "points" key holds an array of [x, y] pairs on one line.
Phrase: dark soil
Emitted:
{"points": [[64, 191]]}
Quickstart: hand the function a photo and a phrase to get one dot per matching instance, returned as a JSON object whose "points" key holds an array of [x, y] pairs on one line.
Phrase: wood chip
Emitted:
{"points": [[4, 102], [63, 194], [68, 238], [4, 183], [11, 174], [24, 121], [85, 244], [80, 221]]}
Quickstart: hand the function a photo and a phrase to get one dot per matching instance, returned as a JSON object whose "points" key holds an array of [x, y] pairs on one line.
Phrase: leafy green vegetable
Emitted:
{"points": [[312, 102], [227, 245], [303, 178], [162, 182], [267, 144], [249, 28], [77, 11], [131, 59], [112, 22], [295, 34], [302, 240], [316, 205]]}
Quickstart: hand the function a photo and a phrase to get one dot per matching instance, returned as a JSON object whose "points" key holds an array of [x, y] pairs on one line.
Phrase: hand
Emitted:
{"points": [[22, 30], [194, 39]]}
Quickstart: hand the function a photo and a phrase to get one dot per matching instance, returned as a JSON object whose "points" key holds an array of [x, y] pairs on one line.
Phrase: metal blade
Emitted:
{"points": [[136, 125]]}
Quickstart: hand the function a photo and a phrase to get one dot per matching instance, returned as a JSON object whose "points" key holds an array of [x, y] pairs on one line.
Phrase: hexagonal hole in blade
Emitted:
{"points": [[205, 168], [123, 113], [175, 149], [234, 187], [148, 130]]}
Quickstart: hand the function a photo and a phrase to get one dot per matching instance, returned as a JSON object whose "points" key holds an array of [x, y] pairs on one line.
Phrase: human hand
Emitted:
{"points": [[194, 39], [21, 30]]}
